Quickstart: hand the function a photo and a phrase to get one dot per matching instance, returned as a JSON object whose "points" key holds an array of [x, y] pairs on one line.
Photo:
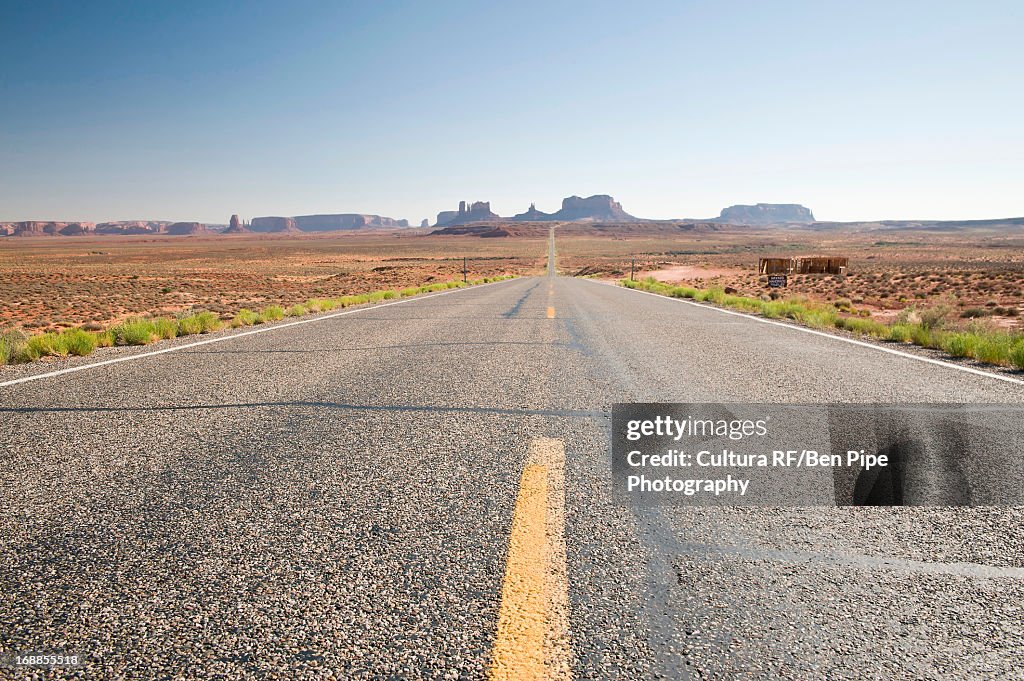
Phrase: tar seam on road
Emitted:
{"points": [[220, 339], [532, 637], [898, 353]]}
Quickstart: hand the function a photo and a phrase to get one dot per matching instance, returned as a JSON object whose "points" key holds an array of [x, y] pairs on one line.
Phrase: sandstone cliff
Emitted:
{"points": [[479, 211], [273, 224], [47, 228], [596, 208], [765, 214], [236, 226], [181, 228], [132, 227]]}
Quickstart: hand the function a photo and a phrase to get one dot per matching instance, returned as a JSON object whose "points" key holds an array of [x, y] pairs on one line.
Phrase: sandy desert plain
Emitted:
{"points": [[52, 283], [972, 273]]}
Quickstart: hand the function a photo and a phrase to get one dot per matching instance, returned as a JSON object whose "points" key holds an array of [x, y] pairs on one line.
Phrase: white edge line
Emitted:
{"points": [[795, 327], [221, 339]]}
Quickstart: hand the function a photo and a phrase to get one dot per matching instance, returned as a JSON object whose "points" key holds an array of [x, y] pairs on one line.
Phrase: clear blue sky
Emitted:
{"points": [[196, 110]]}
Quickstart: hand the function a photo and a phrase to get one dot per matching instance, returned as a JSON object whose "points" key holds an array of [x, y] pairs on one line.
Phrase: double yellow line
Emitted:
{"points": [[532, 640]]}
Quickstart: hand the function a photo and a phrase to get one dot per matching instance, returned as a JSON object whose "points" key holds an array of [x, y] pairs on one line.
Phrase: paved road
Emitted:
{"points": [[341, 497]]}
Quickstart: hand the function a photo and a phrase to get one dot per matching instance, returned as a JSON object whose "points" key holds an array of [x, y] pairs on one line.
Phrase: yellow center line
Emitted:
{"points": [[551, 312], [532, 638]]}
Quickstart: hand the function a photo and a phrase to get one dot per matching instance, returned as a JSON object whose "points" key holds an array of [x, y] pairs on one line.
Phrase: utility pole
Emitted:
{"points": [[464, 269], [632, 268]]}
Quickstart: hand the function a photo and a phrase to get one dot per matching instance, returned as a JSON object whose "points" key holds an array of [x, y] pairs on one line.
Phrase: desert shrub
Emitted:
{"points": [[900, 333], [843, 304], [974, 313], [296, 311], [165, 328], [1016, 355], [684, 292], [960, 344], [12, 346], [135, 331], [818, 317], [322, 304], [714, 294], [865, 327], [410, 291], [43, 345], [104, 339], [389, 295], [908, 317], [782, 308], [922, 336], [245, 317], [743, 303], [201, 322], [79, 342], [272, 313], [993, 349], [935, 317]]}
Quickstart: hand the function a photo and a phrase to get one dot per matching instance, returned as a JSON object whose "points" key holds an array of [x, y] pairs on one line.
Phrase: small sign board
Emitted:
{"points": [[777, 280]]}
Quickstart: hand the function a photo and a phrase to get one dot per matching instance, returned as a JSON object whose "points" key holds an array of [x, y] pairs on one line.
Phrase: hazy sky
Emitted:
{"points": [[196, 110]]}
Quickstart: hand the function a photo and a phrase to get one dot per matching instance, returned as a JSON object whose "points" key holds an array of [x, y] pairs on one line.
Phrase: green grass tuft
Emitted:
{"points": [[272, 313], [165, 328], [245, 317], [135, 331], [1016, 355], [79, 342], [201, 322]]}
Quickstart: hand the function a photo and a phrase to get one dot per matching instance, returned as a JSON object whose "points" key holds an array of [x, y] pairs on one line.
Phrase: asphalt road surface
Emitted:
{"points": [[384, 493]]}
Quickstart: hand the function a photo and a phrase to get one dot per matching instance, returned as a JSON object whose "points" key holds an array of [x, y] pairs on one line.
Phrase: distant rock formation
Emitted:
{"points": [[236, 226], [532, 215], [345, 221], [479, 211], [765, 214], [273, 224], [180, 228], [47, 228], [124, 227], [596, 208], [324, 223], [445, 217], [425, 222]]}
